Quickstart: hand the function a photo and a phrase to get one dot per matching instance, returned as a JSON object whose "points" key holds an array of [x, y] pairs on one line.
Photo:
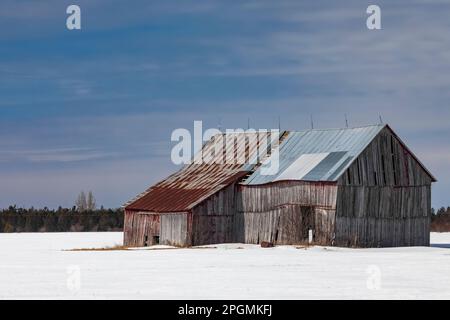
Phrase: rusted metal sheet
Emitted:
{"points": [[163, 199], [197, 181]]}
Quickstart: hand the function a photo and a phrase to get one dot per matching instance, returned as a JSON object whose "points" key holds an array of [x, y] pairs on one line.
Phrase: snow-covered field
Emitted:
{"points": [[35, 266]]}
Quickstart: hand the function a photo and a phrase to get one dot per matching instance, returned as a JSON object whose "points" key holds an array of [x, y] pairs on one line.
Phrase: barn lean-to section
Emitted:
{"points": [[196, 204], [358, 187]]}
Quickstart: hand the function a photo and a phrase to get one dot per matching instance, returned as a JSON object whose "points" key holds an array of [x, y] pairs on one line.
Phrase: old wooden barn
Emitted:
{"points": [[359, 187]]}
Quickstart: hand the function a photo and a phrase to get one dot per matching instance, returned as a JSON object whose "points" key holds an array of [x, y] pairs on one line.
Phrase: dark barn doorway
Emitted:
{"points": [[307, 222]]}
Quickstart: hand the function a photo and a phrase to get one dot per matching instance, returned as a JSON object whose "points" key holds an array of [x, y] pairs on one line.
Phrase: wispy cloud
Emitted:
{"points": [[53, 155]]}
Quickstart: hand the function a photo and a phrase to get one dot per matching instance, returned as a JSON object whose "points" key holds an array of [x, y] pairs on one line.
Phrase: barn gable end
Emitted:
{"points": [[386, 161], [384, 197]]}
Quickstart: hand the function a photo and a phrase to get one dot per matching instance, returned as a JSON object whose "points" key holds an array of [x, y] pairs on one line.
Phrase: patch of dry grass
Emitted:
{"points": [[113, 248], [122, 248]]}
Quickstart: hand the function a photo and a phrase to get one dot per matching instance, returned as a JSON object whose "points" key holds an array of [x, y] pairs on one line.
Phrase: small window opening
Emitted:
{"points": [[155, 239]]}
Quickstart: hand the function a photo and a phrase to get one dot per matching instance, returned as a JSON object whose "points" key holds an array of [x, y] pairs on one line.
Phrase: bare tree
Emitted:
{"points": [[91, 205], [81, 202]]}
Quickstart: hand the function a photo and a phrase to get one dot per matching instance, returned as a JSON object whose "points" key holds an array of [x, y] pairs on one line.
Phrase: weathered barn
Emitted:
{"points": [[351, 187]]}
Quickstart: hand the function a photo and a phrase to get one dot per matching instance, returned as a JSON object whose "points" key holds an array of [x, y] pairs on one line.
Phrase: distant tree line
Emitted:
{"points": [[16, 219], [440, 220], [60, 220], [83, 216]]}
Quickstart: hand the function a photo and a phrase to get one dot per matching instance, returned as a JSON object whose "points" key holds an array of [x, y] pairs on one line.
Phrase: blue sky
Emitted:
{"points": [[94, 109]]}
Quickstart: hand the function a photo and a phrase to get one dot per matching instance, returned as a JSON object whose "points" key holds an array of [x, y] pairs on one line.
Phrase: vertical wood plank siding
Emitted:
{"points": [[140, 228], [174, 229], [213, 218], [384, 198], [283, 212]]}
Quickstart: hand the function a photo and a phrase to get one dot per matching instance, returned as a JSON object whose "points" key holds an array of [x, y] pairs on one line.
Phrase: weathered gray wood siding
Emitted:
{"points": [[283, 212], [384, 198], [174, 229], [140, 228], [213, 218]]}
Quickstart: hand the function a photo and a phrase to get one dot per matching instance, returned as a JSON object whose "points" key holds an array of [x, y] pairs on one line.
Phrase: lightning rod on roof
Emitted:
{"points": [[312, 122], [346, 120], [219, 125], [279, 123], [248, 123], [381, 119]]}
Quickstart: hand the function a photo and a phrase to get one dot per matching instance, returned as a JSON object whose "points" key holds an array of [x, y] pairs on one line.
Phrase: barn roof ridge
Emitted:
{"points": [[381, 125], [224, 133]]}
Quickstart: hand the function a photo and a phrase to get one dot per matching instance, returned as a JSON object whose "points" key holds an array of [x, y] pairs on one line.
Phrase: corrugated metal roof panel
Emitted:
{"points": [[301, 166], [339, 145], [324, 167], [344, 164]]}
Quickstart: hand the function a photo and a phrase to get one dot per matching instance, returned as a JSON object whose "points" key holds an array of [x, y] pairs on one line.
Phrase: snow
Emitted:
{"points": [[37, 266]]}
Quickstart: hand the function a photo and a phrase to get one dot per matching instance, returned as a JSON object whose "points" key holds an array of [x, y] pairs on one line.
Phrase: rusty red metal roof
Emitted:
{"points": [[197, 181]]}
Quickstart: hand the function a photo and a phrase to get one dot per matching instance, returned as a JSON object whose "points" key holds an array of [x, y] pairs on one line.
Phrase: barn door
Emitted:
{"points": [[294, 224], [307, 222]]}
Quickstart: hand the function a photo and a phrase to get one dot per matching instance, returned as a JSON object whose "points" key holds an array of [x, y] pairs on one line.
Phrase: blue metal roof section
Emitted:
{"points": [[318, 155]]}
